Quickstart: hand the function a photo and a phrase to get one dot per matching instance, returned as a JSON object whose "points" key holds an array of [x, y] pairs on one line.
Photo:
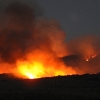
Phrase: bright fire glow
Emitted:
{"points": [[30, 70], [35, 67], [37, 70], [88, 58], [29, 75], [30, 47]]}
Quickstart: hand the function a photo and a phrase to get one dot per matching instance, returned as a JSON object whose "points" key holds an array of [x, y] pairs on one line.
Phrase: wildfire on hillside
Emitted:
{"points": [[31, 47], [88, 58]]}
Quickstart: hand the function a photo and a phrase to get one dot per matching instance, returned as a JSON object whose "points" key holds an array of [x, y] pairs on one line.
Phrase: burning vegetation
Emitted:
{"points": [[35, 47]]}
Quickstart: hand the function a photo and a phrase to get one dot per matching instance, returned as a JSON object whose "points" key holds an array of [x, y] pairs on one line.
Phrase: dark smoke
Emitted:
{"points": [[15, 31], [38, 11], [22, 33], [81, 52]]}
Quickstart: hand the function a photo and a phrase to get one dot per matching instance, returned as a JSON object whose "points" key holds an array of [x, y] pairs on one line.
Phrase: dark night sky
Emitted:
{"points": [[77, 17]]}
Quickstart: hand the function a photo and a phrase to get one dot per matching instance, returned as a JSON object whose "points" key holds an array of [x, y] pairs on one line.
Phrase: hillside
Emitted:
{"points": [[73, 87]]}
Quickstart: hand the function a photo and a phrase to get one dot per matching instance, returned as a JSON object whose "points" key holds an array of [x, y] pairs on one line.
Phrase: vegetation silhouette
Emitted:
{"points": [[70, 87]]}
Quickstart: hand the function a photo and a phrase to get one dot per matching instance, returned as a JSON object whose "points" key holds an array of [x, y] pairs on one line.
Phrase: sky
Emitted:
{"points": [[77, 17]]}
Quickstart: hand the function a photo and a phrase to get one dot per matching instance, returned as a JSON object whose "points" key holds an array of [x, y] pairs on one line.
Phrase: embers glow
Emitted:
{"points": [[88, 58], [93, 56]]}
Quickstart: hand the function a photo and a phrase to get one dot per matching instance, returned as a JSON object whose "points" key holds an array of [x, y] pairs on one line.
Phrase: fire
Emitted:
{"points": [[41, 64], [31, 47], [33, 70], [88, 58], [93, 56], [29, 75], [30, 70]]}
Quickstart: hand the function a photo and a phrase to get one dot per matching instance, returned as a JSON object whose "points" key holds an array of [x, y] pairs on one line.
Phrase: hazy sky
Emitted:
{"points": [[77, 17]]}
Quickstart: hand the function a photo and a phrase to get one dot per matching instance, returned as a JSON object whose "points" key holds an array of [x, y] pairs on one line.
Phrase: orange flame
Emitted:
{"points": [[88, 58], [37, 70], [30, 48], [30, 70], [37, 66]]}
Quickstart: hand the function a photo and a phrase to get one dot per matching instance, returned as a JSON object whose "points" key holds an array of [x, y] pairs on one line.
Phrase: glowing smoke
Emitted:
{"points": [[25, 39]]}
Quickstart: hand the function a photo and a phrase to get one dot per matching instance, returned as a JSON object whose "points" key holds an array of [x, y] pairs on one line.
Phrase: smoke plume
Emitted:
{"points": [[34, 45], [15, 31], [87, 50]]}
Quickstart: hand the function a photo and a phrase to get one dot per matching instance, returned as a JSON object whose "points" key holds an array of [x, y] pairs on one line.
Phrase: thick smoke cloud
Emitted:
{"points": [[25, 37], [21, 32], [84, 45], [15, 31], [38, 11], [85, 51]]}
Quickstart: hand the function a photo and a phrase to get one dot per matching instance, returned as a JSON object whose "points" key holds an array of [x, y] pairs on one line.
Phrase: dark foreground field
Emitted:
{"points": [[75, 87]]}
